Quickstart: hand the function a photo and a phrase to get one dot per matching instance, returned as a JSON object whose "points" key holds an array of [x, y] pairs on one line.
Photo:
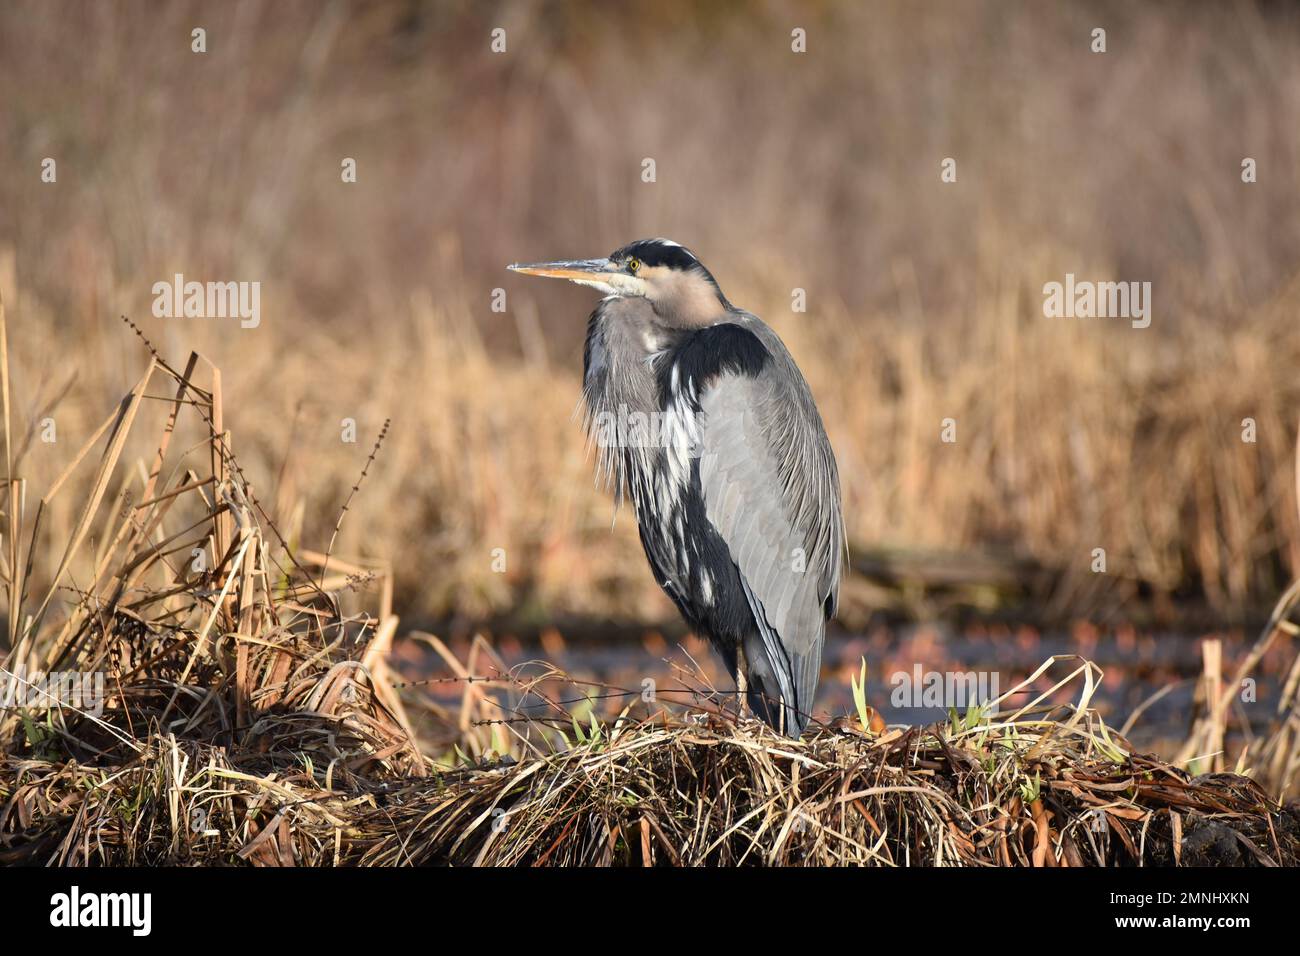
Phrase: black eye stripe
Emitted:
{"points": [[652, 252]]}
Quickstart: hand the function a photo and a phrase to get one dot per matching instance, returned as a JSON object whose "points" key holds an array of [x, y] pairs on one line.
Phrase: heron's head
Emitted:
{"points": [[666, 274]]}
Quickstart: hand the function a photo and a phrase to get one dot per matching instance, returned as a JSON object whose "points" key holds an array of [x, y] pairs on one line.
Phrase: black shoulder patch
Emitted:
{"points": [[702, 356]]}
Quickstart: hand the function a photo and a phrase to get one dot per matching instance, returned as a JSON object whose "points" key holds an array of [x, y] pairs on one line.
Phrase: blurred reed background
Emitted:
{"points": [[818, 171]]}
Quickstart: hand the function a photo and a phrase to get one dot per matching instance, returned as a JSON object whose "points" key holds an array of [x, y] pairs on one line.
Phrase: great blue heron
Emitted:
{"points": [[700, 413]]}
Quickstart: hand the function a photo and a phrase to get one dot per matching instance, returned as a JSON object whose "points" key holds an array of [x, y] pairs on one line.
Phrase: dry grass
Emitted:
{"points": [[704, 792], [818, 172], [1145, 460], [249, 718], [202, 629]]}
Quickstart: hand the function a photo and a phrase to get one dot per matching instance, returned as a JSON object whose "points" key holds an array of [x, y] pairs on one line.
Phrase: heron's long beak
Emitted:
{"points": [[586, 271]]}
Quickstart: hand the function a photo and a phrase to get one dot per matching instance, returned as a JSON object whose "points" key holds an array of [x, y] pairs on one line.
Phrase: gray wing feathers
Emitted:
{"points": [[769, 486]]}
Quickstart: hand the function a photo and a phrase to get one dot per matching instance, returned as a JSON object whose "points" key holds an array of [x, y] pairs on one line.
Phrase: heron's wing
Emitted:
{"points": [[767, 477]]}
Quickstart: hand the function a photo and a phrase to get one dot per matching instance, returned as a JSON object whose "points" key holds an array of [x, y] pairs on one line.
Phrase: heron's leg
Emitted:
{"points": [[742, 682]]}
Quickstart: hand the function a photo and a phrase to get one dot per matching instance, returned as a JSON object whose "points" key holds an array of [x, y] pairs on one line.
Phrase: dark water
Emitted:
{"points": [[994, 659]]}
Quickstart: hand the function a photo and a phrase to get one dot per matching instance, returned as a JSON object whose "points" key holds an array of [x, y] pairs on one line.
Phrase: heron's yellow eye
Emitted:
{"points": [[633, 265]]}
